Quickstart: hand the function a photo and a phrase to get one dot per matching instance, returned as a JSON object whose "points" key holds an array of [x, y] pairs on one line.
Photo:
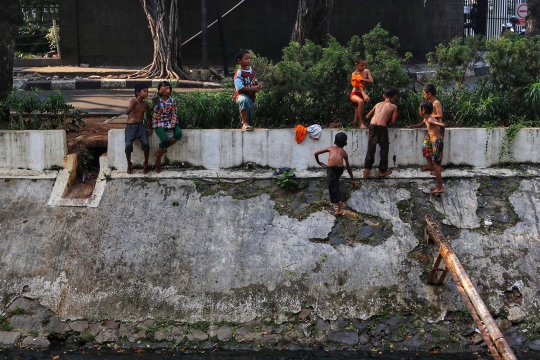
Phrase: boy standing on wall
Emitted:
{"points": [[135, 126], [335, 169], [247, 87], [384, 114], [429, 91], [358, 95], [436, 138]]}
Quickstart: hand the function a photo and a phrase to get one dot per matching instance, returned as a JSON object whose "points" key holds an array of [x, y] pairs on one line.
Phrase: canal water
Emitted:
{"points": [[238, 355]]}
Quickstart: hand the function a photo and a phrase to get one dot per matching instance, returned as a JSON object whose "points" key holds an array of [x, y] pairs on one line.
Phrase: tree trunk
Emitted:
{"points": [[533, 18], [312, 21], [11, 17], [165, 28]]}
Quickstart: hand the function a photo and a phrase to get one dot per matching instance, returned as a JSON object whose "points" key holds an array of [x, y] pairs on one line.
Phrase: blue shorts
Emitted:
{"points": [[245, 103]]}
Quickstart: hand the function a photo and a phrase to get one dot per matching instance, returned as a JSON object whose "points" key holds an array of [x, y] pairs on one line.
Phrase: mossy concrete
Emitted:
{"points": [[169, 250]]}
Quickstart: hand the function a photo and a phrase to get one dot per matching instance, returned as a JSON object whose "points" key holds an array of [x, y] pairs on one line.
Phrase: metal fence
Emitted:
{"points": [[486, 17]]}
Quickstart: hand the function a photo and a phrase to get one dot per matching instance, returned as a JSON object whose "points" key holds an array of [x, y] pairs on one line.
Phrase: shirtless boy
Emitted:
{"points": [[135, 127], [384, 114], [358, 95], [334, 169], [429, 91], [434, 128]]}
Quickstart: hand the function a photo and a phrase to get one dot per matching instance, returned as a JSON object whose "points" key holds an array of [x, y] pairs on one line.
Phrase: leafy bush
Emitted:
{"points": [[207, 110], [311, 83], [514, 60], [29, 112], [50, 37], [31, 39], [286, 180], [453, 59]]}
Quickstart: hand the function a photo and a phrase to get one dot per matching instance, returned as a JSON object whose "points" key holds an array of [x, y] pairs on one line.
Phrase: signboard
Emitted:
{"points": [[521, 13]]}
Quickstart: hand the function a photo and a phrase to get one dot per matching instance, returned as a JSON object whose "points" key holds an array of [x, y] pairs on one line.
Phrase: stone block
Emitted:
{"points": [[78, 325], [344, 337], [41, 342], [8, 338]]}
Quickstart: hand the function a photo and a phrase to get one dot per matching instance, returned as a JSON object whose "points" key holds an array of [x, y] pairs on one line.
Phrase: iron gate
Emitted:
{"points": [[486, 17]]}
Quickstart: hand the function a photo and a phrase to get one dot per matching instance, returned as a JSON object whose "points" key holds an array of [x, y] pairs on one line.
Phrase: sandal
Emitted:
{"points": [[247, 128]]}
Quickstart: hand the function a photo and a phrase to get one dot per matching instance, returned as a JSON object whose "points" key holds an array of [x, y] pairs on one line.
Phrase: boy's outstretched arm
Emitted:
{"points": [[415, 126], [317, 156], [435, 122], [349, 170]]}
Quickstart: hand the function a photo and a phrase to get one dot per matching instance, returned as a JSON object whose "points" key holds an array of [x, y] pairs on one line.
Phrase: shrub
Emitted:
{"points": [[514, 60], [206, 110], [453, 59], [31, 39], [29, 112], [311, 83]]}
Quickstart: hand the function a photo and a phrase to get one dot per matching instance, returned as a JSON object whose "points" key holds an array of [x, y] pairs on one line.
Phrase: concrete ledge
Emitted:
{"points": [[106, 84], [226, 149], [28, 174], [32, 149], [264, 174]]}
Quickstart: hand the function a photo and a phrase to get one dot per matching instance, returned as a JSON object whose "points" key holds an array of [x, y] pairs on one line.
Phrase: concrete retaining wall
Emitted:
{"points": [[32, 150], [222, 149]]}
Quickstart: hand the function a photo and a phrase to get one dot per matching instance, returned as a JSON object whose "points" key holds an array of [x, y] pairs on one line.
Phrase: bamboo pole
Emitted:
{"points": [[462, 280]]}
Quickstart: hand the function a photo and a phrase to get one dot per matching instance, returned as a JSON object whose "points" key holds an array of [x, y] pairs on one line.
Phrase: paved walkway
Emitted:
{"points": [[106, 102]]}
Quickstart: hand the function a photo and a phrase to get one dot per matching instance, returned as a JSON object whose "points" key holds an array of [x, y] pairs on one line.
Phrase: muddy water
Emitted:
{"points": [[237, 355]]}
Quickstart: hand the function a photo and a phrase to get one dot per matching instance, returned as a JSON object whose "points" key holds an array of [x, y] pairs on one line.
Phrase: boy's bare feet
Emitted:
{"points": [[432, 173], [436, 191], [362, 126], [366, 173], [386, 173], [145, 168], [158, 165], [130, 167], [339, 212], [426, 168]]}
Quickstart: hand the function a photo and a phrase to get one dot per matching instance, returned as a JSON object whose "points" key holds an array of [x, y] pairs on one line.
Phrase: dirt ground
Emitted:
{"points": [[89, 142]]}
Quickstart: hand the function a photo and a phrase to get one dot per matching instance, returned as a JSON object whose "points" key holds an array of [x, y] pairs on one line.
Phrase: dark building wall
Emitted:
{"points": [[115, 32]]}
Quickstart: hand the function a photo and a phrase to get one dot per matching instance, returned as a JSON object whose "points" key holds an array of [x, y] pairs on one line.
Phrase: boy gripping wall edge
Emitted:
{"points": [[384, 114], [435, 136], [334, 169], [358, 95], [247, 87], [135, 126], [429, 91]]}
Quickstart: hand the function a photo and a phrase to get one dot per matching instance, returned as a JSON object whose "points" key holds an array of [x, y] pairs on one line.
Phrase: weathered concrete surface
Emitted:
{"points": [[32, 150], [158, 249], [224, 149]]}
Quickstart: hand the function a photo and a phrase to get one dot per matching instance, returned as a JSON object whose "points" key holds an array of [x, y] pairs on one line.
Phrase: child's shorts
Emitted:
{"points": [[136, 131], [427, 147], [164, 138], [245, 103], [437, 154], [357, 93]]}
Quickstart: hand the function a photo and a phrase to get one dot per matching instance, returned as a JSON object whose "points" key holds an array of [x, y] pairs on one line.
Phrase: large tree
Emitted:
{"points": [[165, 28], [11, 18], [312, 21], [533, 18]]}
